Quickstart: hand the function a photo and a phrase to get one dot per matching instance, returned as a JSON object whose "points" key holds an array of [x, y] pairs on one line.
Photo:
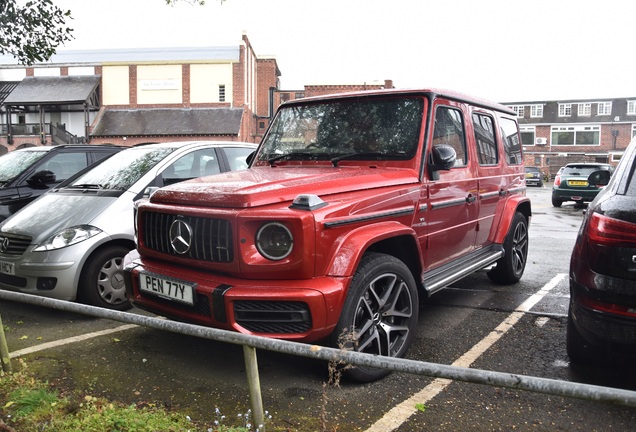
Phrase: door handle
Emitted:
{"points": [[471, 198]]}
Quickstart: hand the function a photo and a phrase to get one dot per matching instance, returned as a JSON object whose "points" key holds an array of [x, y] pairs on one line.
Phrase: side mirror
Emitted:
{"points": [[41, 178], [599, 178], [443, 157], [250, 158]]}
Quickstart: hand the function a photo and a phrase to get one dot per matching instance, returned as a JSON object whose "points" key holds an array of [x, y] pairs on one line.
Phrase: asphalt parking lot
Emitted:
{"points": [[139, 365]]}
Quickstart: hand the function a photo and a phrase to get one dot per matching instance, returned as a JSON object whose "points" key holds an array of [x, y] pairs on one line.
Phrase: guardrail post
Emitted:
{"points": [[254, 384], [4, 350]]}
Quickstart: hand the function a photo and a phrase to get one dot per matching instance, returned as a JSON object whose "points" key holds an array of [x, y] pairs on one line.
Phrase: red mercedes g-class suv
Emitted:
{"points": [[354, 207]]}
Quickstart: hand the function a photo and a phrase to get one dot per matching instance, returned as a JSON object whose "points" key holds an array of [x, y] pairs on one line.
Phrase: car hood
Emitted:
{"points": [[53, 212], [263, 185]]}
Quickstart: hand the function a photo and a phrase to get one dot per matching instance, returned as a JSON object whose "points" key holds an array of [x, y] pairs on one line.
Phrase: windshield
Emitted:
{"points": [[14, 163], [368, 128], [123, 169]]}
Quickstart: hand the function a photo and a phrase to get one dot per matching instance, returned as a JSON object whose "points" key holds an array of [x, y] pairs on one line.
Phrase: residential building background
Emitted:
{"points": [[554, 133]]}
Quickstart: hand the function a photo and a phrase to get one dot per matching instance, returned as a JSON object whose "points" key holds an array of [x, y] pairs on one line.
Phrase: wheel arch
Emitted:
{"points": [[391, 238], [521, 205], [130, 244]]}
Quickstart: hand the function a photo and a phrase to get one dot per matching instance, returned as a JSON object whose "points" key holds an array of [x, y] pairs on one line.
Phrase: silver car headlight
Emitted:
{"points": [[68, 237], [274, 241]]}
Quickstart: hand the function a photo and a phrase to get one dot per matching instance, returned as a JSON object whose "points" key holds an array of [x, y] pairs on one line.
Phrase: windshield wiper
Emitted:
{"points": [[86, 186], [368, 155], [294, 155]]}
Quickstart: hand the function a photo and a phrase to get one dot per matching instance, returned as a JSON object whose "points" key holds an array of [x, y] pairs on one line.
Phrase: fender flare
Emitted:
{"points": [[352, 245], [516, 203]]}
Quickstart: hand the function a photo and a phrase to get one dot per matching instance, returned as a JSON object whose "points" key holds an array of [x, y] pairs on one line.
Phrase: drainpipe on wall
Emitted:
{"points": [[42, 134]]}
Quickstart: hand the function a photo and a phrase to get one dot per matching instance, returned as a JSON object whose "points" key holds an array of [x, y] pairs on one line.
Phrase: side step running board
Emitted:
{"points": [[439, 278]]}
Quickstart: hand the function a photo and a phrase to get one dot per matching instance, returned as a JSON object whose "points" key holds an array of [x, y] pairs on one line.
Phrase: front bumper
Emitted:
{"points": [[53, 274], [303, 310]]}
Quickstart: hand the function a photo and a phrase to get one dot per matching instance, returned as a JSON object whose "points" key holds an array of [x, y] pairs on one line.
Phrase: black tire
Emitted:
{"points": [[556, 202], [511, 266], [380, 313], [102, 280]]}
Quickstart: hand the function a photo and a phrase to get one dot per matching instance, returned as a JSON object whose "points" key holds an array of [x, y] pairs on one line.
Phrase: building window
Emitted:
{"points": [[537, 161], [604, 108], [221, 92], [585, 109], [299, 95], [565, 110], [261, 125], [631, 107], [527, 135], [576, 135], [518, 109], [536, 111]]}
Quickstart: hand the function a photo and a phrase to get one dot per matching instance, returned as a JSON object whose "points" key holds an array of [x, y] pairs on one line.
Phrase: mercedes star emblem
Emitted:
{"points": [[180, 236], [4, 244]]}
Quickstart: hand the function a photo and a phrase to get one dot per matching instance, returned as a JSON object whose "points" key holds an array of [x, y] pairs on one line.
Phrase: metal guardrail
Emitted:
{"points": [[250, 343]]}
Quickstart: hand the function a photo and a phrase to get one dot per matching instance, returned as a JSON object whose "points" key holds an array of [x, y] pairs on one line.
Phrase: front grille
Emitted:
{"points": [[211, 238], [11, 244], [273, 316]]}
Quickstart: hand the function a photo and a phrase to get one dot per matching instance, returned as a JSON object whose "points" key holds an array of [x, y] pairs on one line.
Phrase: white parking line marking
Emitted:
{"points": [[67, 341], [401, 412]]}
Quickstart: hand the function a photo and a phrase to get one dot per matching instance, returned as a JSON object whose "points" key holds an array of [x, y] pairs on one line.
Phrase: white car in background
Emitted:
{"points": [[69, 244]]}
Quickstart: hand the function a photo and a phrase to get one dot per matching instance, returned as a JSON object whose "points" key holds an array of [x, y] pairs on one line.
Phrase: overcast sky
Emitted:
{"points": [[504, 50]]}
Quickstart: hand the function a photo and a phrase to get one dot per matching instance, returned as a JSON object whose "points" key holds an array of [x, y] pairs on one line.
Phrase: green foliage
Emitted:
{"points": [[32, 32], [27, 404]]}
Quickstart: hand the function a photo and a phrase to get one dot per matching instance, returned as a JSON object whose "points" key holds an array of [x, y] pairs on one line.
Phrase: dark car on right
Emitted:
{"points": [[573, 185], [601, 325]]}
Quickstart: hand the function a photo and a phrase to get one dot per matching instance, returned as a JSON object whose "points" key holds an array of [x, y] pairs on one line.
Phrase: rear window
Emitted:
{"points": [[581, 170]]}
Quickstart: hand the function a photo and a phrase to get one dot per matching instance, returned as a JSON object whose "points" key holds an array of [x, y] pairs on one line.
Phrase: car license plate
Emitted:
{"points": [[171, 289], [577, 183], [7, 268]]}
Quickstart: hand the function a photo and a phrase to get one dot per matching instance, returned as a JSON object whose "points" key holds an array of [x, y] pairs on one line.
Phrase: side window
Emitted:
{"points": [[449, 129], [64, 165], [194, 164], [511, 142], [485, 138], [237, 157]]}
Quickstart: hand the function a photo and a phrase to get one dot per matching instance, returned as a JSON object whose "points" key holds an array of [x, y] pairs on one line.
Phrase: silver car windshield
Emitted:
{"points": [[371, 127], [13, 163], [123, 169]]}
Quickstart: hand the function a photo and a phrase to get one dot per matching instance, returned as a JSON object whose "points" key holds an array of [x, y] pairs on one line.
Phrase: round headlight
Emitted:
{"points": [[274, 241]]}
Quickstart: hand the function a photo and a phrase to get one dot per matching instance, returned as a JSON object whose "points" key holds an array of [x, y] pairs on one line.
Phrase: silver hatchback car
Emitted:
{"points": [[69, 244]]}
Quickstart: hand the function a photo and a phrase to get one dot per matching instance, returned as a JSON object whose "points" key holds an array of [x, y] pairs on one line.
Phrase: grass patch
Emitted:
{"points": [[27, 404]]}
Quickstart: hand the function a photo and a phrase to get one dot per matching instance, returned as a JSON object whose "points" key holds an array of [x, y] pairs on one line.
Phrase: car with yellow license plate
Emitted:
{"points": [[573, 184]]}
